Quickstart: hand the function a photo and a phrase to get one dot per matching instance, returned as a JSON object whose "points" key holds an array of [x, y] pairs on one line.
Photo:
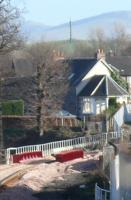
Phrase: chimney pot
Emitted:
{"points": [[100, 54]]}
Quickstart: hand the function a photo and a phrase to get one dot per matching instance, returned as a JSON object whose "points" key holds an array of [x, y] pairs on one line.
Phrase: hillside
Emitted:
{"points": [[80, 28]]}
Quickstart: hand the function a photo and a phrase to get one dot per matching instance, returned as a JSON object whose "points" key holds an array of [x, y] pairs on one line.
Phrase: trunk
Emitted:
{"points": [[41, 132], [40, 96], [40, 122]]}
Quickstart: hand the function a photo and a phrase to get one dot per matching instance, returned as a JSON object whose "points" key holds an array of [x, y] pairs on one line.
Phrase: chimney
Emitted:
{"points": [[58, 55], [100, 54], [111, 53]]}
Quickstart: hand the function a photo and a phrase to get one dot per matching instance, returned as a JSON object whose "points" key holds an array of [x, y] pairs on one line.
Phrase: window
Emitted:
{"points": [[71, 76], [100, 106], [86, 105]]}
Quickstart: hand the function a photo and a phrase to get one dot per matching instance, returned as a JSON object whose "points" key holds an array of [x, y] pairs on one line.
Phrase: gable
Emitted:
{"points": [[100, 68]]}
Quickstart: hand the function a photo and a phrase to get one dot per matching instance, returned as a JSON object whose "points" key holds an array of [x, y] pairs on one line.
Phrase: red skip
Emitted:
{"points": [[25, 156], [69, 155]]}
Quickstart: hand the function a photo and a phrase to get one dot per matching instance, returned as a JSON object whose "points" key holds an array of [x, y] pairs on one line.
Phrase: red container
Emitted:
{"points": [[25, 156], [69, 155]]}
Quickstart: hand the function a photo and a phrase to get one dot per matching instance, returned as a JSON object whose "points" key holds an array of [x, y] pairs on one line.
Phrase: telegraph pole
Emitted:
{"points": [[70, 25]]}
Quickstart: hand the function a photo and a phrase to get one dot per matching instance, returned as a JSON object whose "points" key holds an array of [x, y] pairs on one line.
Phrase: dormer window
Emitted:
{"points": [[71, 76]]}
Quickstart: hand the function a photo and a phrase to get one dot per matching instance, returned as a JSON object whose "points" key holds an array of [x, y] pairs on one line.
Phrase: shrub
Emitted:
{"points": [[113, 106], [15, 107], [116, 76]]}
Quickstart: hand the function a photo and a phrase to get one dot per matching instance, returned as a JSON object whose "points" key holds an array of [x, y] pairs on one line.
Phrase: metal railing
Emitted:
{"points": [[58, 146], [101, 194]]}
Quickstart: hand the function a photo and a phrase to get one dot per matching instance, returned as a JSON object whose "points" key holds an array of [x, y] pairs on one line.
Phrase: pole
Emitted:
{"points": [[70, 31], [115, 179]]}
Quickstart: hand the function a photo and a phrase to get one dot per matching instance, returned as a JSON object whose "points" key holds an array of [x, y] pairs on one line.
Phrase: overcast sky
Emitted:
{"points": [[54, 12]]}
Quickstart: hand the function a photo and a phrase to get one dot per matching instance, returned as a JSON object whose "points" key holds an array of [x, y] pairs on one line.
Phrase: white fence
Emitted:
{"points": [[101, 194], [118, 119], [58, 146]]}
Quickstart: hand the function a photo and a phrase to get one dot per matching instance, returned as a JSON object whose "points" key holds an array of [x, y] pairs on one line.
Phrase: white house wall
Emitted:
{"points": [[121, 99], [127, 113], [98, 69]]}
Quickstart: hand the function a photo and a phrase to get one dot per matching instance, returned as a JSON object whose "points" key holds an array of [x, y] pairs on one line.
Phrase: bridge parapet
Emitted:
{"points": [[64, 145]]}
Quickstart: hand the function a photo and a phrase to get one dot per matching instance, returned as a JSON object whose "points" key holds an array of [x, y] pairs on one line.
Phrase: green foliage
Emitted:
{"points": [[15, 107], [112, 102], [116, 76], [113, 106]]}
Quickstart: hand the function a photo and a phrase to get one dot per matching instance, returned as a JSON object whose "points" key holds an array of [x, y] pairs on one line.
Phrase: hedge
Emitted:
{"points": [[13, 107]]}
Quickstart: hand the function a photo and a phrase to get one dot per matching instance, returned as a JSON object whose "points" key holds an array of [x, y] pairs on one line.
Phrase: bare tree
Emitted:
{"points": [[9, 26], [97, 38], [52, 84], [9, 38], [120, 38], [116, 42]]}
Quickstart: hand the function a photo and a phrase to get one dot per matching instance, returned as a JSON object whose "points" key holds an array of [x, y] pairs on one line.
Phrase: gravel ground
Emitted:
{"points": [[52, 177]]}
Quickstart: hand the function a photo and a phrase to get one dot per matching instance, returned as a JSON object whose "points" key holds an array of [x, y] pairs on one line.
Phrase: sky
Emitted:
{"points": [[55, 12]]}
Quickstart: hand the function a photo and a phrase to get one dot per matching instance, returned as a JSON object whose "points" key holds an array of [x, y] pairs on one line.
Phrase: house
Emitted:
{"points": [[94, 98], [92, 86], [90, 91], [123, 65]]}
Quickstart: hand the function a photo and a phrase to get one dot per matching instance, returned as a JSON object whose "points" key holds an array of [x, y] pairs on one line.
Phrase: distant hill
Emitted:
{"points": [[80, 28], [33, 31]]}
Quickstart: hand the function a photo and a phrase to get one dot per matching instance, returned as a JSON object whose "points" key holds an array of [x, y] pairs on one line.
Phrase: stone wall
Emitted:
{"points": [[19, 123]]}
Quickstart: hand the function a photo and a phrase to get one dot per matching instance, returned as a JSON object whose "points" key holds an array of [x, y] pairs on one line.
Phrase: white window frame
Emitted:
{"points": [[86, 105]]}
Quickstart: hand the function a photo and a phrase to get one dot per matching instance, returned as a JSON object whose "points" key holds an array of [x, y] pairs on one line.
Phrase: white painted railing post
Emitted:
{"points": [[122, 135], [100, 193], [106, 140], [7, 156]]}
